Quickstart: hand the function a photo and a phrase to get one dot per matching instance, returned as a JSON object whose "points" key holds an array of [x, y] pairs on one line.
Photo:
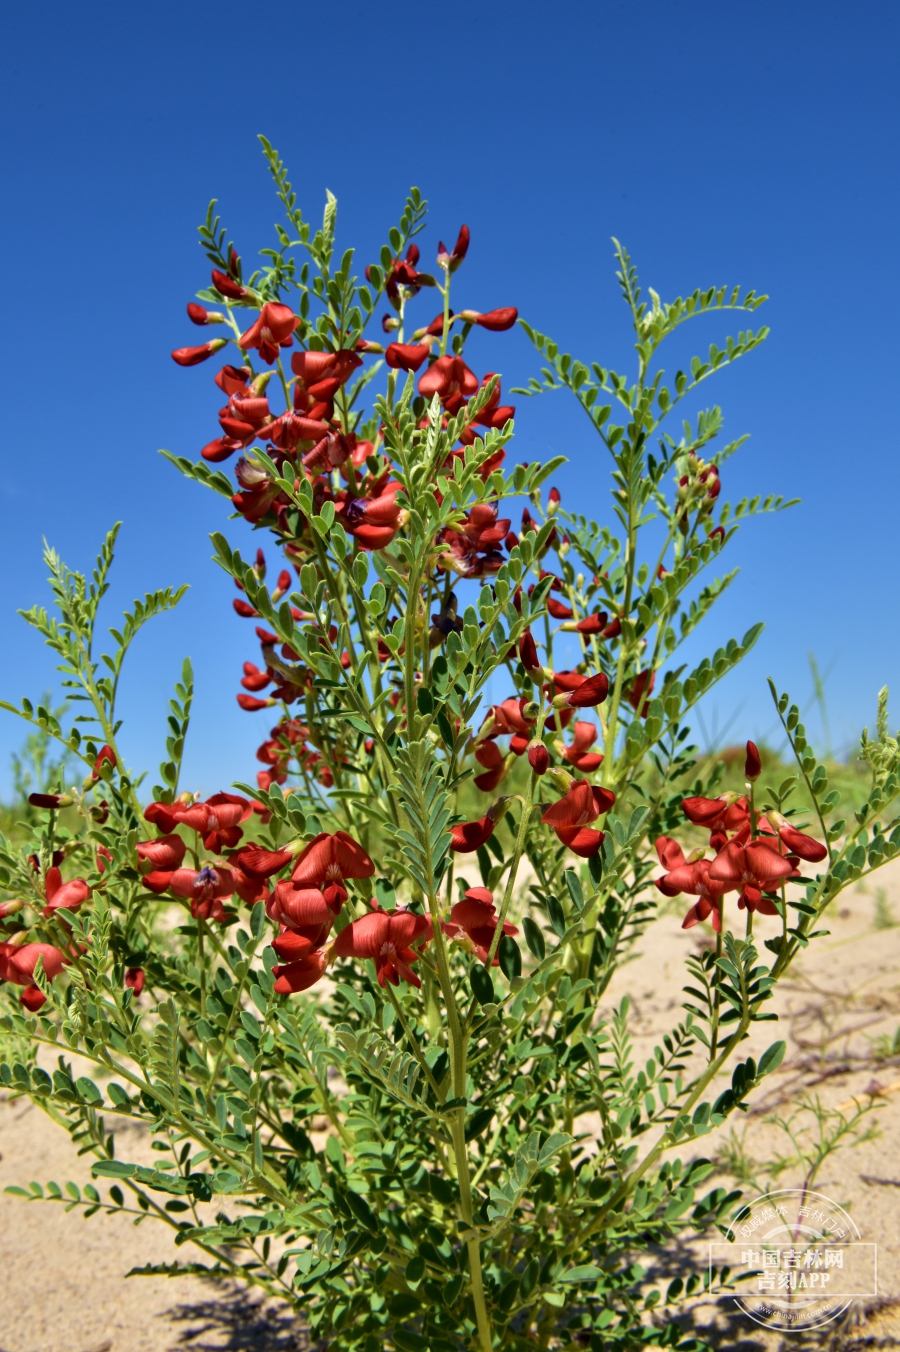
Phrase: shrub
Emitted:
{"points": [[443, 1143]]}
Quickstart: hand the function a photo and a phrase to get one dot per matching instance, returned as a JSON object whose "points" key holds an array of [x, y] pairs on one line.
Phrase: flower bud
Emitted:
{"points": [[227, 286], [197, 315], [193, 356], [538, 757], [752, 765], [11, 907], [52, 801], [560, 779], [530, 711]]}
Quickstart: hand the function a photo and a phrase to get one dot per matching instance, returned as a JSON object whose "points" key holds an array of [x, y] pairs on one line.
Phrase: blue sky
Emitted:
{"points": [[722, 143]]}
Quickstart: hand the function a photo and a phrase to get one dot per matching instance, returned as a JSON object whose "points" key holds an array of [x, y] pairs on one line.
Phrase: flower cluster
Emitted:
{"points": [[755, 855]]}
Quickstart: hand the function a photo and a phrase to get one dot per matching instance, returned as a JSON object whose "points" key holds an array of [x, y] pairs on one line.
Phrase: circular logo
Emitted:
{"points": [[799, 1257]]}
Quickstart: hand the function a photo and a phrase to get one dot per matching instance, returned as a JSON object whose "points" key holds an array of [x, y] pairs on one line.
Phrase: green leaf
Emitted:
{"points": [[585, 1273], [771, 1058], [482, 985]]}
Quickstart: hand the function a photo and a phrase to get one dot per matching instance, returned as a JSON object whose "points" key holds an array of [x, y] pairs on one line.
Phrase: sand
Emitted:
{"points": [[63, 1276]]}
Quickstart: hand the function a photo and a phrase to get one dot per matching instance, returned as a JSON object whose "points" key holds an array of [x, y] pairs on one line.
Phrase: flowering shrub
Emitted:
{"points": [[444, 1143]]}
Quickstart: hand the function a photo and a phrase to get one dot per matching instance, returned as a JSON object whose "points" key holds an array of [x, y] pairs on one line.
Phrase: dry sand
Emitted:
{"points": [[63, 1275]]}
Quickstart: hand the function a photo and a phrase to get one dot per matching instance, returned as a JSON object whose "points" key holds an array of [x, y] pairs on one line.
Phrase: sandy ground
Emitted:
{"points": [[63, 1275]]}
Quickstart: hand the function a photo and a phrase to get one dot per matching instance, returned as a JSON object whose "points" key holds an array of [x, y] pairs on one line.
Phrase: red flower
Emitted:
{"points": [[18, 964], [61, 896], [558, 611], [134, 979], [578, 753], [244, 417], [468, 836], [451, 380], [252, 705], [528, 654], [165, 854], [197, 315], [452, 261], [403, 273], [262, 863], [488, 754], [105, 756], [538, 757], [49, 800], [475, 916], [725, 813], [386, 937], [692, 877], [497, 321], [299, 976], [752, 867], [638, 692], [592, 624], [406, 356], [206, 888], [253, 678], [321, 374], [303, 910], [582, 804], [193, 356], [328, 860], [217, 819], [227, 286], [588, 692], [805, 847], [231, 379], [372, 521], [753, 764], [273, 329]]}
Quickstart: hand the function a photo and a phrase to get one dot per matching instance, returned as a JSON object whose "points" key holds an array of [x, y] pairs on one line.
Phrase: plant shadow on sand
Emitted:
{"points": [[234, 1320]]}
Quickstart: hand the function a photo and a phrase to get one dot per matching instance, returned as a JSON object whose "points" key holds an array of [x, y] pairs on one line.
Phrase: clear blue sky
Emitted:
{"points": [[752, 143]]}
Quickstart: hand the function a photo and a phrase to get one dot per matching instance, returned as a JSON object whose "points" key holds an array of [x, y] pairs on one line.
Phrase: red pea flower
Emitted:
{"points": [[452, 261], [106, 756], [582, 804], [19, 964], [299, 976], [263, 863], [406, 356], [475, 916], [538, 757], [451, 380], [49, 800], [273, 330], [193, 356], [328, 860], [468, 836], [227, 286], [61, 896], [589, 692], [304, 910], [751, 868], [386, 938], [197, 315], [205, 888], [497, 321], [165, 854], [579, 753], [805, 847], [690, 876], [753, 764], [134, 979], [728, 812]]}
